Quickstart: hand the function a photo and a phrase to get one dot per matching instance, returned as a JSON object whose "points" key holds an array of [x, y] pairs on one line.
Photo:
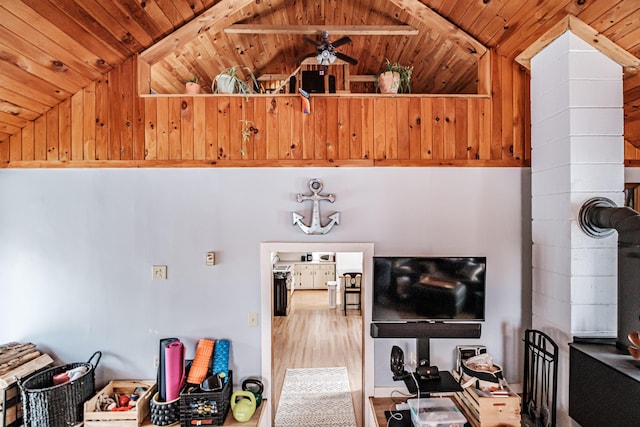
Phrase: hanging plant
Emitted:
{"points": [[248, 129]]}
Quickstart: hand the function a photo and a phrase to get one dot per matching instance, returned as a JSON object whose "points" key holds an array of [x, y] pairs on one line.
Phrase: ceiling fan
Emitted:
{"points": [[326, 53]]}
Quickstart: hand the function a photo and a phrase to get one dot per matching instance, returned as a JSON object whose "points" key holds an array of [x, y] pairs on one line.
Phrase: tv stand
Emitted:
{"points": [[423, 332], [445, 384], [423, 351]]}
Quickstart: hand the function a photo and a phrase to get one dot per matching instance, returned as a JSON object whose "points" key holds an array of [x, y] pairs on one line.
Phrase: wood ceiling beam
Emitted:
{"points": [[586, 33], [217, 16], [351, 30], [439, 24]]}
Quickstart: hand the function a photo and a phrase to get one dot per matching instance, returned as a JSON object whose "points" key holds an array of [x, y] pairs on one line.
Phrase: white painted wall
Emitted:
{"points": [[577, 153], [77, 246], [577, 126]]}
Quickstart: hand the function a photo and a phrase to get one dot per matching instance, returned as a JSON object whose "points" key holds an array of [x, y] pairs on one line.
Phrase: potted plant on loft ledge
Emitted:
{"points": [[230, 81], [394, 78], [191, 86]]}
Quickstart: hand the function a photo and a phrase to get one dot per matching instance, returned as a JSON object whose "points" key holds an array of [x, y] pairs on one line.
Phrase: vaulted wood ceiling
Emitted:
{"points": [[49, 50]]}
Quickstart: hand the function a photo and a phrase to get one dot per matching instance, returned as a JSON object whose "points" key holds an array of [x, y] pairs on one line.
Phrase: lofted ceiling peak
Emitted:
{"points": [[267, 38], [586, 33]]}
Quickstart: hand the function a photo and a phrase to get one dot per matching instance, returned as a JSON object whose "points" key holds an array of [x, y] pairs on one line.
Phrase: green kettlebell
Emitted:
{"points": [[243, 409], [254, 386]]}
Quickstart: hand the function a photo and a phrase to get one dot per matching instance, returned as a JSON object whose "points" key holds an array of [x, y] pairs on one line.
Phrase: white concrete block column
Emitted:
{"points": [[577, 153]]}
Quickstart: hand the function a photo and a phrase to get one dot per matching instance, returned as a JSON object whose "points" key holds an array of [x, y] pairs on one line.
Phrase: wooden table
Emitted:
{"points": [[381, 404], [255, 421]]}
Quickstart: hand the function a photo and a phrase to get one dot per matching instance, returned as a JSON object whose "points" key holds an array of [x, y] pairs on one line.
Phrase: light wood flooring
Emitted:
{"points": [[316, 336]]}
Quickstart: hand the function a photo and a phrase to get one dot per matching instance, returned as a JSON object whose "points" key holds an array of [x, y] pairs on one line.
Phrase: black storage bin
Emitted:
{"points": [[48, 405], [206, 405]]}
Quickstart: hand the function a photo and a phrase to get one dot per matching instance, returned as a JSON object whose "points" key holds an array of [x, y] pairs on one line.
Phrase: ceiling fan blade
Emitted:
{"points": [[341, 41], [312, 41], [350, 60]]}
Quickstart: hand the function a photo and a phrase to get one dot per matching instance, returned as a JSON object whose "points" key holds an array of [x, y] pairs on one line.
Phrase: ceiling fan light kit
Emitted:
{"points": [[326, 57]]}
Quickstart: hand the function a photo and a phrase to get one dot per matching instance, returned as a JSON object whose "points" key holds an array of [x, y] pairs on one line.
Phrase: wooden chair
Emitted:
{"points": [[352, 285], [540, 385]]}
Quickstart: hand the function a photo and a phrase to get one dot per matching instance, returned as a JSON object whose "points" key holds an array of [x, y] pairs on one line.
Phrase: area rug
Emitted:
{"points": [[318, 397]]}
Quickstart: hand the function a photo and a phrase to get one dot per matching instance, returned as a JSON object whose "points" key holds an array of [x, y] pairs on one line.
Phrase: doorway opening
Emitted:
{"points": [[269, 353]]}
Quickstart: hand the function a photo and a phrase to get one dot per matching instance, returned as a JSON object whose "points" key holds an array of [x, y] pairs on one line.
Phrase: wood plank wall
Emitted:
{"points": [[107, 125]]}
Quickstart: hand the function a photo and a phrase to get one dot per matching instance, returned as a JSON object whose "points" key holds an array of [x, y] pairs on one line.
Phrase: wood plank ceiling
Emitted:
{"points": [[50, 50]]}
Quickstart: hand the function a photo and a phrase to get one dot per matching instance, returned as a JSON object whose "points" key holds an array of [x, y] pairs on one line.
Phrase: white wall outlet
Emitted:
{"points": [[159, 272], [156, 362], [211, 259], [252, 319]]}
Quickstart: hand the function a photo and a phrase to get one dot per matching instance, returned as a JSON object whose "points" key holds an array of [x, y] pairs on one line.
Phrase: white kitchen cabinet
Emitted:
{"points": [[313, 276], [306, 276]]}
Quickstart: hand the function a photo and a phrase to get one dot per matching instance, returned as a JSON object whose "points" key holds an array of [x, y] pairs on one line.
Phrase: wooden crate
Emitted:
{"points": [[13, 411], [17, 361], [487, 410], [95, 418]]}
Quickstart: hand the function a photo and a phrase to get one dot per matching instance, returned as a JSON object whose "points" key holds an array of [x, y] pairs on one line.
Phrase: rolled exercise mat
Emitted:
{"points": [[200, 365], [162, 379], [174, 353], [221, 358]]}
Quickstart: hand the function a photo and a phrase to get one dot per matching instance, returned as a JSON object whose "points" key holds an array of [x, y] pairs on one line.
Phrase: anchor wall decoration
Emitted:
{"points": [[315, 185]]}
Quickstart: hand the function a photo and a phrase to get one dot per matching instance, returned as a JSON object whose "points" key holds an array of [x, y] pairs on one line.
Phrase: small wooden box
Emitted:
{"points": [[95, 418], [490, 411], [487, 410]]}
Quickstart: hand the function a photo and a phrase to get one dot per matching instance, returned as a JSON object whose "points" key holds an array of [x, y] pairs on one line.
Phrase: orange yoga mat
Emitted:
{"points": [[200, 365]]}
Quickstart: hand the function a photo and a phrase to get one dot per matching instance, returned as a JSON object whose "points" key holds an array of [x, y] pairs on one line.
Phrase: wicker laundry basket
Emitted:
{"points": [[48, 405]]}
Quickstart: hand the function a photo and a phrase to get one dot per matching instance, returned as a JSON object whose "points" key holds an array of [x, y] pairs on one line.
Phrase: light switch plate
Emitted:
{"points": [[211, 258], [159, 272], [252, 320]]}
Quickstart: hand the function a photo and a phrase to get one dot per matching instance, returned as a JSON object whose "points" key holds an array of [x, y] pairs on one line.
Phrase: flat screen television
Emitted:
{"points": [[420, 288]]}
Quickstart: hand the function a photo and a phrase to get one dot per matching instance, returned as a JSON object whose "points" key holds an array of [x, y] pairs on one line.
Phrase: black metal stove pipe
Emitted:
{"points": [[598, 218]]}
